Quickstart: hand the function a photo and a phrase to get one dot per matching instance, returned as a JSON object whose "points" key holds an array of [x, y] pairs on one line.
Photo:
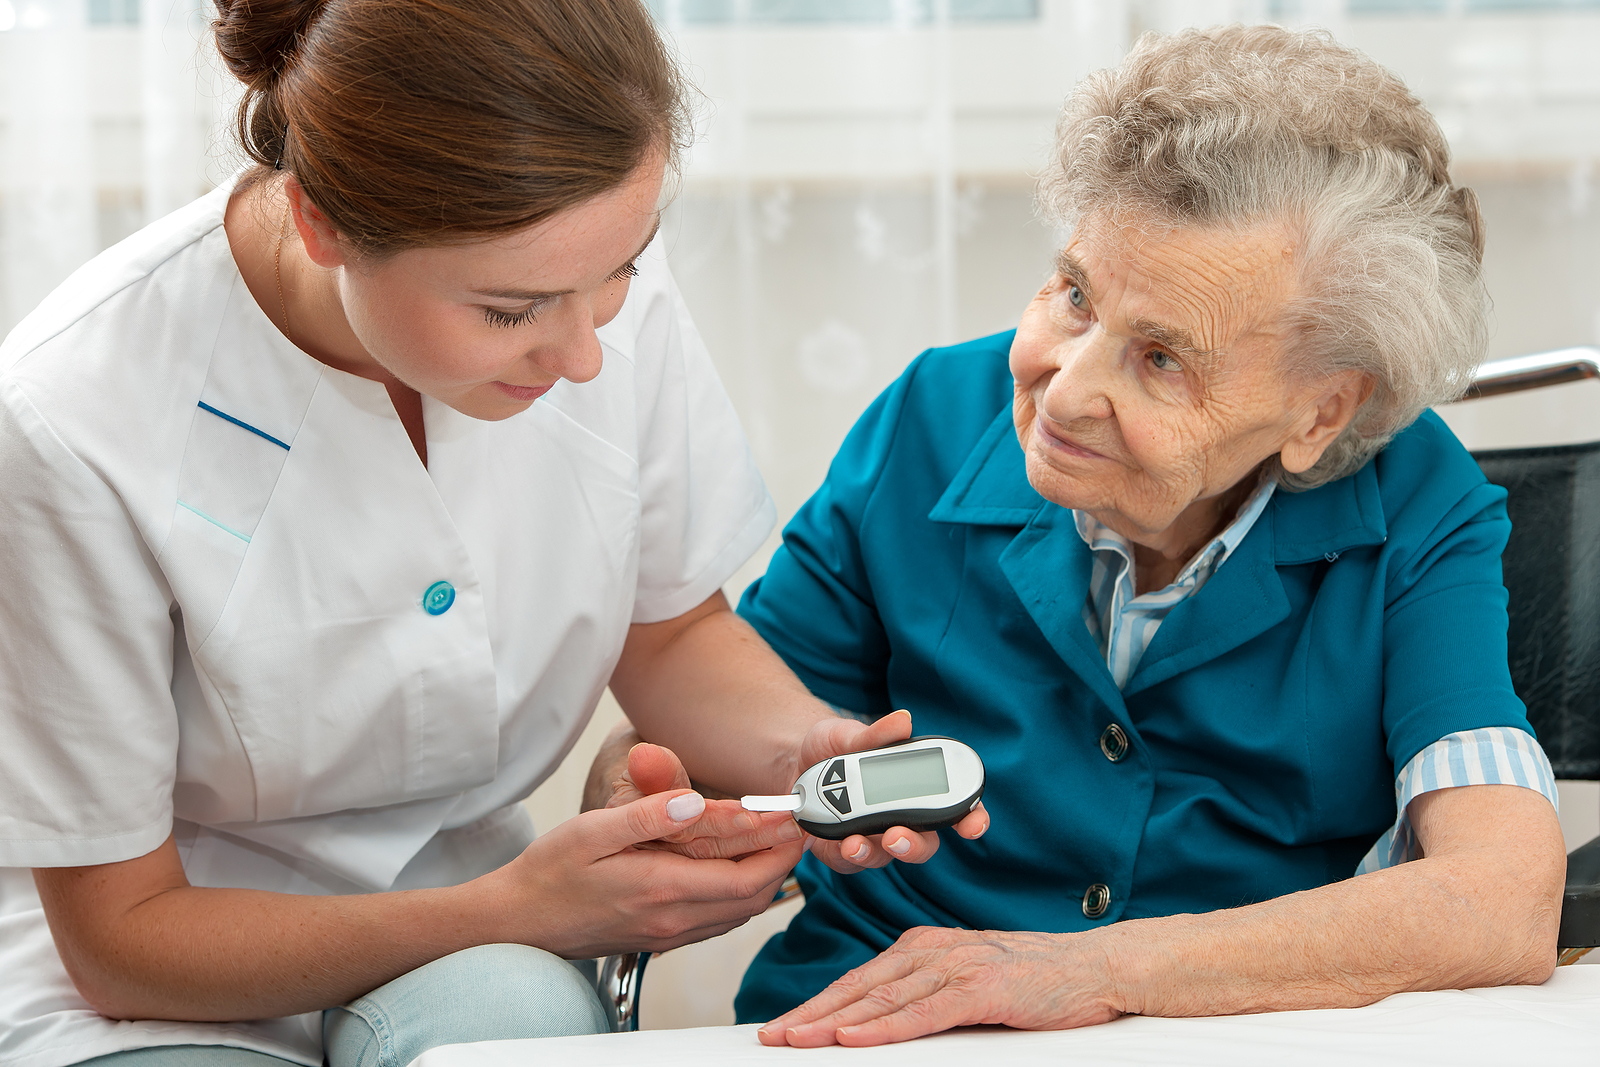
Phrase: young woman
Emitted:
{"points": [[331, 503]]}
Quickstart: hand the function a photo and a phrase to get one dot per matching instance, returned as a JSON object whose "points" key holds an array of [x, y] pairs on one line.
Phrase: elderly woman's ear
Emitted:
{"points": [[1324, 418]]}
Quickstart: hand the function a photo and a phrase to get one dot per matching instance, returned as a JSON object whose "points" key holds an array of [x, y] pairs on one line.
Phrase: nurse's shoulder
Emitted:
{"points": [[112, 361]]}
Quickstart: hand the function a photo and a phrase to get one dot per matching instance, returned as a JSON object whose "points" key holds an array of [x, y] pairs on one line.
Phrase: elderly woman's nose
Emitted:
{"points": [[1084, 378]]}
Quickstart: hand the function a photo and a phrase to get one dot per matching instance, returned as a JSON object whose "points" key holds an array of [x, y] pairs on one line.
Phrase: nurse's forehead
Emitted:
{"points": [[529, 266]]}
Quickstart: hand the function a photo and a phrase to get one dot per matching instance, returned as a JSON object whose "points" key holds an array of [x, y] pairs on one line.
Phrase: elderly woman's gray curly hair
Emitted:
{"points": [[1240, 126]]}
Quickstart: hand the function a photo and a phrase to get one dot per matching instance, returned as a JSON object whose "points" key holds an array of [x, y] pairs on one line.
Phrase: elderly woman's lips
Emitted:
{"points": [[1062, 444], [522, 392]]}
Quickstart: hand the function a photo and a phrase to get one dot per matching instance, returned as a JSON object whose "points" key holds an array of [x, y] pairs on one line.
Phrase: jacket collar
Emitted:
{"points": [[1048, 565]]}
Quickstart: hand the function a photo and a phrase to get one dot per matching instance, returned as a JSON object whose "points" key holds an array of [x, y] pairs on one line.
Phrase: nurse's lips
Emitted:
{"points": [[523, 392], [1056, 442]]}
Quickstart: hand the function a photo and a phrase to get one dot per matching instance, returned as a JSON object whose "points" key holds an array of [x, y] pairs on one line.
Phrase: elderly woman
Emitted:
{"points": [[1189, 562]]}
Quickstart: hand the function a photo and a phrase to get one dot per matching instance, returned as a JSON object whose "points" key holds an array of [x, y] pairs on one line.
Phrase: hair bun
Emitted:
{"points": [[258, 38]]}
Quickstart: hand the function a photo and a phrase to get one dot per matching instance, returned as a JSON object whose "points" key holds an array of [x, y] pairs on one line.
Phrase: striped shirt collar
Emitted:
{"points": [[1122, 623]]}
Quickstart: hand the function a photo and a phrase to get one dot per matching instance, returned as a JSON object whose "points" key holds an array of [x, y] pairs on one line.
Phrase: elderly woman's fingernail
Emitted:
{"points": [[901, 847], [860, 853], [685, 807]]}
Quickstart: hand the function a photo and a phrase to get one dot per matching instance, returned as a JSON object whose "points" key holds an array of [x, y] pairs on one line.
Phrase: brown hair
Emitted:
{"points": [[418, 122]]}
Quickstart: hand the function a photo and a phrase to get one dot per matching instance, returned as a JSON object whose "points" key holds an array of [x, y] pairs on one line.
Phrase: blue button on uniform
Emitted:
{"points": [[438, 598]]}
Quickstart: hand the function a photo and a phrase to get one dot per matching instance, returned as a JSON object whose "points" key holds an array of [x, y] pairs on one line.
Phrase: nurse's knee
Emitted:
{"points": [[488, 993]]}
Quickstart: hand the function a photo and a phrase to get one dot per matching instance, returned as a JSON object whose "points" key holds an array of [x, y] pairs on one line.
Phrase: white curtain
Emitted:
{"points": [[861, 189]]}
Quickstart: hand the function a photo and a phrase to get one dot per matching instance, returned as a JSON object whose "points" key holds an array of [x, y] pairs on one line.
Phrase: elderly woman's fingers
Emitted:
{"points": [[940, 1010], [857, 853], [726, 830], [890, 1000], [908, 846], [887, 967], [975, 823], [850, 856]]}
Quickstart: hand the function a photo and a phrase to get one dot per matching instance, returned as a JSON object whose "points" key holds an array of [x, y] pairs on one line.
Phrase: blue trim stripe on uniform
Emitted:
{"points": [[245, 425], [219, 525]]}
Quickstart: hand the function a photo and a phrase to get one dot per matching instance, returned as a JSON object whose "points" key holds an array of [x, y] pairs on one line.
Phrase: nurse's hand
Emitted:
{"points": [[725, 831], [835, 737], [594, 886]]}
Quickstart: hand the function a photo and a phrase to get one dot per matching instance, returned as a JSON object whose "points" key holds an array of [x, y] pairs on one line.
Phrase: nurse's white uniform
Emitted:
{"points": [[221, 609]]}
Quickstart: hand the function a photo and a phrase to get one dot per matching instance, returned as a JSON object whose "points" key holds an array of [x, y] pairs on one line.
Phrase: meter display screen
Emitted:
{"points": [[902, 775]]}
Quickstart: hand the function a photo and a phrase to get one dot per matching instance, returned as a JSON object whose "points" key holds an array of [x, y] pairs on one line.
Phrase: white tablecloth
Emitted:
{"points": [[1556, 1023]]}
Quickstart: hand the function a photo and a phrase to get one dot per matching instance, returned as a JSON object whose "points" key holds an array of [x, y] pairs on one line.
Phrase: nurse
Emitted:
{"points": [[331, 503]]}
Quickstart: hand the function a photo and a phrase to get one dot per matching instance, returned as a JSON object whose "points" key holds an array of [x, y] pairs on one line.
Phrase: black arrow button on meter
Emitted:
{"points": [[835, 773], [839, 798]]}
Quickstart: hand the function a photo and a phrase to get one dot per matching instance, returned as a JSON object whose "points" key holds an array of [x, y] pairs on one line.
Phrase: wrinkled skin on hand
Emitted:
{"points": [[932, 979]]}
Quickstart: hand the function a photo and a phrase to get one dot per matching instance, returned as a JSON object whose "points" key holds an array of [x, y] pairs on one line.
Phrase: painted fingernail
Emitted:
{"points": [[860, 853], [901, 847], [685, 807]]}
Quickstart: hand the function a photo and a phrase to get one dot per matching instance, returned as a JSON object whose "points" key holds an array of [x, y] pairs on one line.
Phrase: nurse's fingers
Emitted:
{"points": [[610, 830]]}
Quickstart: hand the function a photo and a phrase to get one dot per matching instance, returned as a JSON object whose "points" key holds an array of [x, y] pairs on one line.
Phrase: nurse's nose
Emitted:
{"points": [[574, 353], [1084, 382]]}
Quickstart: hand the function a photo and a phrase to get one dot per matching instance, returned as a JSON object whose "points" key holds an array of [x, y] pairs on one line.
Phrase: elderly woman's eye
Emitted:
{"points": [[1162, 361], [1075, 295]]}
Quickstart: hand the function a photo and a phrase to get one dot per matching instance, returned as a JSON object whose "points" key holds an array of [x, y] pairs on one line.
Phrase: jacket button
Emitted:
{"points": [[1114, 743], [1096, 899], [439, 597]]}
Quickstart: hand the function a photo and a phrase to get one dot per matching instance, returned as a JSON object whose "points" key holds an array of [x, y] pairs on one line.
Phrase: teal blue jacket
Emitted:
{"points": [[1356, 624]]}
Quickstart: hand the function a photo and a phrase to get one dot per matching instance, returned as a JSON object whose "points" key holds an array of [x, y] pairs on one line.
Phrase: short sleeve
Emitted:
{"points": [[704, 508], [1444, 618], [815, 604], [86, 646]]}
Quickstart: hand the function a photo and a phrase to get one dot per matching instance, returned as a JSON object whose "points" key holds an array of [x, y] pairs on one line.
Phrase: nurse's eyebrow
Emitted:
{"points": [[529, 295]]}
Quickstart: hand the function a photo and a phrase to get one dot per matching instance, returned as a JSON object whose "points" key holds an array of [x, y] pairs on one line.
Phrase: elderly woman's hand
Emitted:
{"points": [[835, 737], [932, 979]]}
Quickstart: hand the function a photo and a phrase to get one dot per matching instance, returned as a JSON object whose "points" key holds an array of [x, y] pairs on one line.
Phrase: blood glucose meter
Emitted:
{"points": [[922, 784]]}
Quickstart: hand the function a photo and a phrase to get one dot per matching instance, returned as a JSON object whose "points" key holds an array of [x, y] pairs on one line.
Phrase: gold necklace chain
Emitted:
{"points": [[277, 269]]}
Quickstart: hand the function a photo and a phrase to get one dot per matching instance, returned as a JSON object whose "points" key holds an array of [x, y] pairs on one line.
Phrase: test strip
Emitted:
{"points": [[786, 802]]}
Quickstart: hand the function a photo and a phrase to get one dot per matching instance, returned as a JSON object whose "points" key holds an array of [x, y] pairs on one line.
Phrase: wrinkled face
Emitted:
{"points": [[488, 327], [1148, 378]]}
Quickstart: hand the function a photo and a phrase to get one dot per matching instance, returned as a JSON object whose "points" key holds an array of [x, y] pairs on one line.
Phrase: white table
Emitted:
{"points": [[1556, 1023]]}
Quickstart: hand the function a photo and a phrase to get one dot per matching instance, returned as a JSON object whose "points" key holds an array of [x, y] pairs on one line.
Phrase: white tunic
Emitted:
{"points": [[214, 552]]}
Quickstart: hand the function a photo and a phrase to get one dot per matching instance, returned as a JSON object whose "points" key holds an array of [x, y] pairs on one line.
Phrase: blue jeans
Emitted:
{"points": [[488, 993]]}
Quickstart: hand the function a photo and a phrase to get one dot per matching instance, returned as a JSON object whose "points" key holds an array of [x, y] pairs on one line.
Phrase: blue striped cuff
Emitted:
{"points": [[1494, 755]]}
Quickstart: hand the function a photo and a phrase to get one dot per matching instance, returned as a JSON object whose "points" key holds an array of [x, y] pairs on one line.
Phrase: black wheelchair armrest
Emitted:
{"points": [[1580, 903]]}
